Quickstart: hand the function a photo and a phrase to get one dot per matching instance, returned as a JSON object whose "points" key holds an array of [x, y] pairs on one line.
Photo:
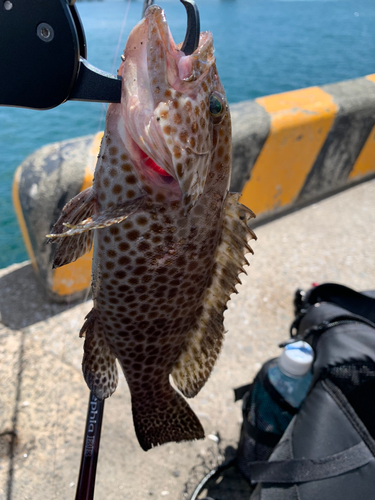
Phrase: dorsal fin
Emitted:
{"points": [[203, 346]]}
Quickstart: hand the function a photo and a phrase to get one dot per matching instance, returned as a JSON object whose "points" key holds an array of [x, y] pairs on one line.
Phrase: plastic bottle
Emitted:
{"points": [[265, 414], [291, 373]]}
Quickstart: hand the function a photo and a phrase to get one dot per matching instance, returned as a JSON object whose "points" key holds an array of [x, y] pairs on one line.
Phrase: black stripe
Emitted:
{"points": [[351, 128], [251, 127]]}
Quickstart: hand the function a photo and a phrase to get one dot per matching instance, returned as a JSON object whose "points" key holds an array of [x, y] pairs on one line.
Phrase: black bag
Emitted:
{"points": [[328, 449], [266, 415]]}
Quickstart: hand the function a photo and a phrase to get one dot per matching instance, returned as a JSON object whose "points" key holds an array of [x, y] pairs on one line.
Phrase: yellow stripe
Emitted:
{"points": [[73, 277], [95, 146], [371, 78], [76, 276], [300, 122], [365, 163], [21, 220], [91, 161]]}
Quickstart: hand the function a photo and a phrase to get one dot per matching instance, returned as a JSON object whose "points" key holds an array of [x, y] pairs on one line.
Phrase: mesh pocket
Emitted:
{"points": [[264, 422]]}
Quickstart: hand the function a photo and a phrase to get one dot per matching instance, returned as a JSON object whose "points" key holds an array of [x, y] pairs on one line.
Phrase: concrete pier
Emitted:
{"points": [[44, 398]]}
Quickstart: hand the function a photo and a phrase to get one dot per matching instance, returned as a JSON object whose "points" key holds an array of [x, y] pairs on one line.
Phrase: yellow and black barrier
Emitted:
{"points": [[43, 183], [289, 150], [295, 148]]}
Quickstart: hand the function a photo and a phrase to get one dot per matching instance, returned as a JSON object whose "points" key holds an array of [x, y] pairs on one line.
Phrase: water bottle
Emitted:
{"points": [[277, 392], [291, 374]]}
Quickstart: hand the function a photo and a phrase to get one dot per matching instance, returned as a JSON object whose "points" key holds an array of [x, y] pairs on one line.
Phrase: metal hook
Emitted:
{"points": [[191, 41], [146, 5]]}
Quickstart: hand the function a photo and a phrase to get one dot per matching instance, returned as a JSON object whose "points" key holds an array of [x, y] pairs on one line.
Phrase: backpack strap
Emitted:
{"points": [[362, 304], [316, 422], [240, 392], [304, 469]]}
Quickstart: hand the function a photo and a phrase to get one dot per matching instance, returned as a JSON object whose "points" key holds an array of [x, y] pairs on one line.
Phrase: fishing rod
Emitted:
{"points": [[90, 450]]}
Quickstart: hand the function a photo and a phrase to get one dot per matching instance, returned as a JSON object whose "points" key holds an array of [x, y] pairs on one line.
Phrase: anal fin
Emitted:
{"points": [[99, 363], [204, 342]]}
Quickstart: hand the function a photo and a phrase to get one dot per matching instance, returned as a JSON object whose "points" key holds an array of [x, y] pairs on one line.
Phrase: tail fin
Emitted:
{"points": [[166, 418]]}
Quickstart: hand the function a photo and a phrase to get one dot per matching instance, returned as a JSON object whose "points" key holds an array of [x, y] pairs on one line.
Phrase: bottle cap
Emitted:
{"points": [[296, 359]]}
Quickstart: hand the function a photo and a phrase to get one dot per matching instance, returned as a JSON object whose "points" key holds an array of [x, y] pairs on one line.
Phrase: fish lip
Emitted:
{"points": [[156, 15], [191, 39]]}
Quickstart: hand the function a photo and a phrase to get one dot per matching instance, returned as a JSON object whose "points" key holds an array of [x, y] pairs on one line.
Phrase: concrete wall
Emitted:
{"points": [[294, 148], [289, 150]]}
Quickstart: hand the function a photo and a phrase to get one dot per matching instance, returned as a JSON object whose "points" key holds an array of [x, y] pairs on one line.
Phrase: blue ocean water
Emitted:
{"points": [[262, 47]]}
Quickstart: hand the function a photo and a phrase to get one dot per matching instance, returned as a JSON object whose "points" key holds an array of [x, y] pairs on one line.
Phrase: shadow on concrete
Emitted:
{"points": [[228, 484], [23, 300]]}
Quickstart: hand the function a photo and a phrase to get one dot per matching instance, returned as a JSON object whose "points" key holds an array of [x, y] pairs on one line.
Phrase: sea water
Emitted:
{"points": [[262, 47]]}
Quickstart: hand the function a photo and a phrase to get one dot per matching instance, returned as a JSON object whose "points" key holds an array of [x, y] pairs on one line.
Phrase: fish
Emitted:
{"points": [[169, 237]]}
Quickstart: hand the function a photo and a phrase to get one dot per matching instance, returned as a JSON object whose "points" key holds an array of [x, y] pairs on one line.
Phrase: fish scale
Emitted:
{"points": [[169, 239]]}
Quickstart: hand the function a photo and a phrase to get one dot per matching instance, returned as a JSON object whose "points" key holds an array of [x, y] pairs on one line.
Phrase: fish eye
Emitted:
{"points": [[217, 106]]}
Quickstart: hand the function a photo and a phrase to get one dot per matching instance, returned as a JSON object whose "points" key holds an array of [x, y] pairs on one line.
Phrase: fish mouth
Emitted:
{"points": [[155, 71]]}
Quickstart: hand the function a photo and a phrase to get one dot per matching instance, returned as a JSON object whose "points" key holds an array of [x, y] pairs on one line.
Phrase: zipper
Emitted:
{"points": [[317, 330]]}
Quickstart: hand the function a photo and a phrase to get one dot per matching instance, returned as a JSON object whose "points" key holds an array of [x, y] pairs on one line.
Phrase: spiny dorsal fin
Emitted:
{"points": [[203, 346], [99, 364]]}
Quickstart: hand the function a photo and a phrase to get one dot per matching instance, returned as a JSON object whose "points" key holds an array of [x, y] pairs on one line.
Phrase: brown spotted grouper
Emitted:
{"points": [[169, 239]]}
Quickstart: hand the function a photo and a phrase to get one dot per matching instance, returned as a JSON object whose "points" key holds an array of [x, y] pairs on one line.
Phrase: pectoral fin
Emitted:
{"points": [[76, 210], [103, 219], [70, 249], [73, 230]]}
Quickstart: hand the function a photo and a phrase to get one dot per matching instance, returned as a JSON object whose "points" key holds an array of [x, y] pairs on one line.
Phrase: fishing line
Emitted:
{"points": [[120, 36], [115, 59]]}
